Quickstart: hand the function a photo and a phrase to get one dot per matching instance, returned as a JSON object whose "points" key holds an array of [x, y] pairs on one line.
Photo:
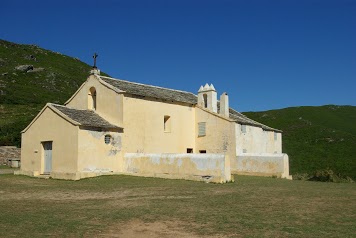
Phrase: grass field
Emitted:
{"points": [[5, 167], [125, 206]]}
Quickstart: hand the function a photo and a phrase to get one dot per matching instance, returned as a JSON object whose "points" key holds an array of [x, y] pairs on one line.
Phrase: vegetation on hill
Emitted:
{"points": [[316, 138], [29, 78]]}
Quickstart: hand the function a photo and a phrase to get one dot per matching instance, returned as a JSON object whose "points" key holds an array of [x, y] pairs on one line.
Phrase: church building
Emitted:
{"points": [[113, 126]]}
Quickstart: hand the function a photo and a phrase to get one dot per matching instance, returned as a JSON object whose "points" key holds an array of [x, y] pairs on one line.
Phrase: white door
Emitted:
{"points": [[47, 146]]}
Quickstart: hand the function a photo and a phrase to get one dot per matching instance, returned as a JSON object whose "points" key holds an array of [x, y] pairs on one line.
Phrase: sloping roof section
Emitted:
{"points": [[84, 117], [144, 90], [242, 119], [247, 121], [151, 91]]}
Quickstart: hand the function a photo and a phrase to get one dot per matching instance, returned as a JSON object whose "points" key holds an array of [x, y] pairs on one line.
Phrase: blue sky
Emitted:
{"points": [[264, 54]]}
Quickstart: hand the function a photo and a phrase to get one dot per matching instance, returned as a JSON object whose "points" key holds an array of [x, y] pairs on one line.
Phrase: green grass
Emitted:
{"points": [[250, 207], [5, 167], [316, 138]]}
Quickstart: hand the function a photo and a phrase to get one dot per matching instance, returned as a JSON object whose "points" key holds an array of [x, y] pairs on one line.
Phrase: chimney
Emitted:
{"points": [[207, 97], [224, 105]]}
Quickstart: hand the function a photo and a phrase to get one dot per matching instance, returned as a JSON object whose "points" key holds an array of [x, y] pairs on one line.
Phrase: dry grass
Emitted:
{"points": [[124, 206]]}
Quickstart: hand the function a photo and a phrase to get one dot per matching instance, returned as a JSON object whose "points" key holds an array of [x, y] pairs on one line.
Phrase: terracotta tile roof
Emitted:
{"points": [[84, 117]]}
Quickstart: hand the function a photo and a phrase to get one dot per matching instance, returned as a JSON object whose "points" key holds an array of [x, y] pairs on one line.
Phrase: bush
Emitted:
{"points": [[325, 175], [301, 176]]}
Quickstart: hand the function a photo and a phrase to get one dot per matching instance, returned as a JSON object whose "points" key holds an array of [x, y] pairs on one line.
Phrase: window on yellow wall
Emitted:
{"points": [[107, 139], [201, 129], [92, 99], [167, 123]]}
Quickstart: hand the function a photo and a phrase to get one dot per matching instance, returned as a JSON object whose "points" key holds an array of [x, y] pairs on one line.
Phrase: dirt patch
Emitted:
{"points": [[139, 229], [63, 195]]}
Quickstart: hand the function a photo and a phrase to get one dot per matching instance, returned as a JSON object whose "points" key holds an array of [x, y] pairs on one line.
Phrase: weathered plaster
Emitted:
{"points": [[207, 167], [257, 140], [262, 164], [97, 156]]}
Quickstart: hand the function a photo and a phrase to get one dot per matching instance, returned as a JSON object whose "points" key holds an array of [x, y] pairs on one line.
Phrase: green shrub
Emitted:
{"points": [[325, 175]]}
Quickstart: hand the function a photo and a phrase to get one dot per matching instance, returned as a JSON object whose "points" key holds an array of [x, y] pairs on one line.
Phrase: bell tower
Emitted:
{"points": [[207, 97]]}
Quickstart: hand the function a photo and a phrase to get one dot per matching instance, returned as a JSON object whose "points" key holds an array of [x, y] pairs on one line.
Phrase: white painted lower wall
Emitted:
{"points": [[262, 165], [256, 140], [202, 167]]}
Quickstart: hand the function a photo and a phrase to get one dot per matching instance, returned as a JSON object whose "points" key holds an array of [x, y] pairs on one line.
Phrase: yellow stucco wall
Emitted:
{"points": [[50, 127], [108, 102], [220, 134], [144, 127], [95, 155]]}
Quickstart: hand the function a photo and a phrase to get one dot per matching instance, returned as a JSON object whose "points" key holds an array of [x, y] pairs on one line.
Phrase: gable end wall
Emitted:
{"points": [[50, 127], [109, 104]]}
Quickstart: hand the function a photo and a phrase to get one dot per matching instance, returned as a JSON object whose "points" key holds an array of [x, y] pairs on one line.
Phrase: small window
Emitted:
{"points": [[107, 139], [243, 128], [167, 124], [244, 151], [275, 136], [92, 99], [202, 151], [205, 97], [201, 129], [189, 150]]}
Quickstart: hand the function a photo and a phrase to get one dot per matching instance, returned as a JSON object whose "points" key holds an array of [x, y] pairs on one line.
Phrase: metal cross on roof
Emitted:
{"points": [[95, 56]]}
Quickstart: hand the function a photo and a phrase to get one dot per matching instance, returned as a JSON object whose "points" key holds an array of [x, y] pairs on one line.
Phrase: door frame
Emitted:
{"points": [[44, 162]]}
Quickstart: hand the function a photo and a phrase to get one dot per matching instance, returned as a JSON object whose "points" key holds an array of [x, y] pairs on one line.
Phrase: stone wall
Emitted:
{"points": [[9, 152], [262, 165], [202, 167]]}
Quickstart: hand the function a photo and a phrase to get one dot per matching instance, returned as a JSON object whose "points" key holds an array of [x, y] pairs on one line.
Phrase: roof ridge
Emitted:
{"points": [[181, 91], [54, 104], [168, 94]]}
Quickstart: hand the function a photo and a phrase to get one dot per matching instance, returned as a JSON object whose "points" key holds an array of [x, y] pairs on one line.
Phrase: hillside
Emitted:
{"points": [[29, 78], [316, 137]]}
